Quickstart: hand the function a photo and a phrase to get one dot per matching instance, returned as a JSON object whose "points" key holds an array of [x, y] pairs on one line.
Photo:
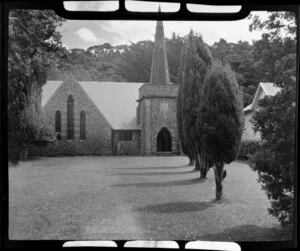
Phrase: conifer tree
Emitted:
{"points": [[185, 147], [220, 122], [196, 59]]}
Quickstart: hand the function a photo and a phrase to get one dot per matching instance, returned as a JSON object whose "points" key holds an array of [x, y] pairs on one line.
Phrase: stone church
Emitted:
{"points": [[114, 118]]}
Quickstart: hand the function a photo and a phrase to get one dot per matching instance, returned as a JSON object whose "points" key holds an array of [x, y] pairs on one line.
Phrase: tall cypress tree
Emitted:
{"points": [[221, 120], [185, 147], [196, 60]]}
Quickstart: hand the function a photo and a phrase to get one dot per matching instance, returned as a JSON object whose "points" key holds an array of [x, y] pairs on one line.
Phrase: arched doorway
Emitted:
{"points": [[164, 141]]}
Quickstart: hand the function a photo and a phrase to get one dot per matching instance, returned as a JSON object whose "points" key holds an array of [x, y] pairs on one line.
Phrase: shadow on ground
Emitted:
{"points": [[162, 183], [250, 233], [176, 207], [158, 173], [152, 168]]}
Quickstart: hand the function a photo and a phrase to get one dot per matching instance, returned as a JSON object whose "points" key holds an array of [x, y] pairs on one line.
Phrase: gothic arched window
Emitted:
{"points": [[58, 124], [70, 117], [82, 125]]}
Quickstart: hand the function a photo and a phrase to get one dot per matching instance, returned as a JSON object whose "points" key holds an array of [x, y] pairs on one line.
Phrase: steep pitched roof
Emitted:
{"points": [[159, 68], [115, 100], [266, 88]]}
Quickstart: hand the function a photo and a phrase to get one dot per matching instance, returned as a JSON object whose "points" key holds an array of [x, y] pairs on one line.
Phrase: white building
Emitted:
{"points": [[263, 89]]}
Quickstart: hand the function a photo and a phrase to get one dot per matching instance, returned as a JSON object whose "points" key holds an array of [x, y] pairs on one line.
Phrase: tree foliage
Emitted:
{"points": [[241, 59], [185, 146], [220, 121], [33, 47], [275, 116], [196, 60], [275, 52], [135, 61], [97, 63], [278, 24], [275, 120], [128, 63]]}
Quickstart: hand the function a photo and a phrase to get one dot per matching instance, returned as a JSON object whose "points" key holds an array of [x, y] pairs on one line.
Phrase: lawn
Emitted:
{"points": [[159, 198]]}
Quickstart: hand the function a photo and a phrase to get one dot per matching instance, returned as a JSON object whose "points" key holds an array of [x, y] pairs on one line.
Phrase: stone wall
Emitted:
{"points": [[126, 147], [98, 131], [158, 110]]}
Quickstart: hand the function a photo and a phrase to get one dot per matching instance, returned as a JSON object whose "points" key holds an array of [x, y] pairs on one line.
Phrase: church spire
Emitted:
{"points": [[159, 69]]}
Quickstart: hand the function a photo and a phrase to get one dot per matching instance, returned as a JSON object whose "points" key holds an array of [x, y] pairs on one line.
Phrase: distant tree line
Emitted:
{"points": [[131, 63]]}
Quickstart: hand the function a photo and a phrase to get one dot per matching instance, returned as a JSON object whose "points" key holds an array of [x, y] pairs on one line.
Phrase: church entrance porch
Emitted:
{"points": [[164, 141]]}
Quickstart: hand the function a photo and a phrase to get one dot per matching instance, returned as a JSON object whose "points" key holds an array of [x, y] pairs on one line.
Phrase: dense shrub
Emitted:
{"points": [[34, 45], [248, 147], [46, 134], [275, 161]]}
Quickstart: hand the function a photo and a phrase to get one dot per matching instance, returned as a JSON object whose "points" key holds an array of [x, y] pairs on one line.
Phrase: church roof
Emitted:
{"points": [[266, 88], [115, 100], [159, 68]]}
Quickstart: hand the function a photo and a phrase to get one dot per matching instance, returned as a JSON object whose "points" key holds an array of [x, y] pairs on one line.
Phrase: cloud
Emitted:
{"points": [[87, 35], [212, 31], [130, 30], [91, 5], [82, 34]]}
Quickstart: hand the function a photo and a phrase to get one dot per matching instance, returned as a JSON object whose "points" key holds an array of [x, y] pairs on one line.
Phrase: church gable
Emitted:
{"points": [[115, 101], [83, 126]]}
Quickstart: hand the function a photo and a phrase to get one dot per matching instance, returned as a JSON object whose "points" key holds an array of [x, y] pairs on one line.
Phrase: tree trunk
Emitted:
{"points": [[204, 167], [218, 169], [197, 159], [192, 161], [24, 153]]}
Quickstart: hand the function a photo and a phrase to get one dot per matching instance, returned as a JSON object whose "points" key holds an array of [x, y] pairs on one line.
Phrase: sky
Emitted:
{"points": [[83, 34]]}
